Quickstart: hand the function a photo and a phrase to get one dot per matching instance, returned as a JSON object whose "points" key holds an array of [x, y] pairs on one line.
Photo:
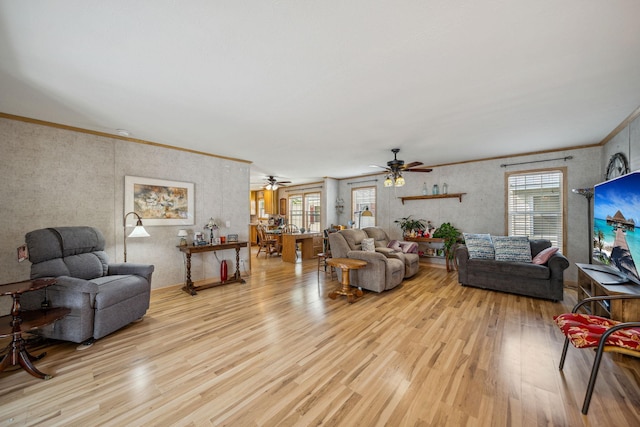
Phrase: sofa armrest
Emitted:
{"points": [[557, 264], [73, 284], [371, 257], [143, 270], [461, 254]]}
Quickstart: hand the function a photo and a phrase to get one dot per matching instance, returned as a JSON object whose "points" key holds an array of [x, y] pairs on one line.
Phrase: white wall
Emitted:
{"points": [[55, 177]]}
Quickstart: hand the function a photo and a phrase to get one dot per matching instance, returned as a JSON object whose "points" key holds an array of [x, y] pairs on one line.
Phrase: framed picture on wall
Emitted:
{"points": [[159, 201]]}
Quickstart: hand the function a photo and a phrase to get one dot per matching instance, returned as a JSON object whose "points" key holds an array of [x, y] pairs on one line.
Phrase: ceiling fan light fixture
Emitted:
{"points": [[399, 181], [388, 182]]}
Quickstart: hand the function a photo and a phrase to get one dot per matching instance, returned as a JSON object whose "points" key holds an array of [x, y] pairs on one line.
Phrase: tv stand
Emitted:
{"points": [[600, 280]]}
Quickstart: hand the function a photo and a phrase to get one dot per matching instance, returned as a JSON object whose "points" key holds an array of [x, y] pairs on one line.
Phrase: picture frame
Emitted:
{"points": [[159, 201], [232, 238]]}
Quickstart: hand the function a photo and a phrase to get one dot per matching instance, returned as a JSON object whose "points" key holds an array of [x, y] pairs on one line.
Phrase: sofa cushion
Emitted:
{"points": [[585, 331], [479, 245], [368, 244], [512, 248], [395, 245], [514, 269], [354, 238], [544, 255]]}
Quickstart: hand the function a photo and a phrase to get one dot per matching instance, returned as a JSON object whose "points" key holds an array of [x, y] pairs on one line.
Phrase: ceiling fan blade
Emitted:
{"points": [[284, 182], [378, 166], [418, 170], [412, 164]]}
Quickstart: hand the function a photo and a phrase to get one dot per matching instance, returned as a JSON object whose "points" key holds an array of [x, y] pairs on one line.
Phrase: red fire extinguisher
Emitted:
{"points": [[223, 270]]}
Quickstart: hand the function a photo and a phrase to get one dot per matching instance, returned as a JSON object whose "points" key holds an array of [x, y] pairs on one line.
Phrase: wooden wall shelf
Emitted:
{"points": [[434, 196]]}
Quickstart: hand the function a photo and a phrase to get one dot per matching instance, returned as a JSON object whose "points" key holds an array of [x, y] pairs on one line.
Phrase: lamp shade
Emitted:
{"points": [[139, 231], [182, 233], [399, 181], [388, 182], [366, 212]]}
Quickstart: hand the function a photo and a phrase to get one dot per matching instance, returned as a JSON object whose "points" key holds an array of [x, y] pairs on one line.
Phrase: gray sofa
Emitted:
{"points": [[381, 241], [102, 297], [380, 274], [522, 278]]}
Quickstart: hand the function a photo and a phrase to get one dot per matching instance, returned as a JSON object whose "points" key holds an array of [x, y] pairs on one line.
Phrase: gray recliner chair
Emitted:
{"points": [[380, 274], [102, 297], [381, 241]]}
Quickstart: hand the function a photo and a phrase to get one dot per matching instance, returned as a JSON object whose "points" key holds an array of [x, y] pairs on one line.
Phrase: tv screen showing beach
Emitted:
{"points": [[616, 210]]}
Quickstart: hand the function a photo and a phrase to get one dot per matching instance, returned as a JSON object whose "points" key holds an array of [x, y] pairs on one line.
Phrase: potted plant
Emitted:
{"points": [[450, 234], [409, 224]]}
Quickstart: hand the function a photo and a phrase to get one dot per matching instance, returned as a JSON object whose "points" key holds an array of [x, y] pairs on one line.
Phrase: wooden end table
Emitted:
{"points": [[189, 287], [23, 321], [346, 264]]}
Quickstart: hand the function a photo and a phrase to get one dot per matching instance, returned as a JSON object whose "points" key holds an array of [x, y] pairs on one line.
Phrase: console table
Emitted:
{"points": [[451, 266], [597, 281], [23, 321], [189, 287]]}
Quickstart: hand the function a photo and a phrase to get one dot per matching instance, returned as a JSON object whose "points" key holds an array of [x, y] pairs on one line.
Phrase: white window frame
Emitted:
{"points": [[535, 199], [310, 219], [362, 198]]}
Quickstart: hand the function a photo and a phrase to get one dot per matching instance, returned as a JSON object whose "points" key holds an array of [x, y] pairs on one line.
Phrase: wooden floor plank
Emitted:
{"points": [[277, 351]]}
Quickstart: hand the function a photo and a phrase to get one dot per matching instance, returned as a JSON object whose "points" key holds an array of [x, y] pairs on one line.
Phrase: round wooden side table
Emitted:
{"points": [[346, 264]]}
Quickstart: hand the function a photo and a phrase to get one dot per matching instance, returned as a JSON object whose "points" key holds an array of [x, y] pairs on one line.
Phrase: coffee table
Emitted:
{"points": [[346, 264]]}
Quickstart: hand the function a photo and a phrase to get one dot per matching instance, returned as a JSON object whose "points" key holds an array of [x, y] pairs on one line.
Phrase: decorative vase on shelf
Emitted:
{"points": [[435, 189], [425, 189], [445, 188]]}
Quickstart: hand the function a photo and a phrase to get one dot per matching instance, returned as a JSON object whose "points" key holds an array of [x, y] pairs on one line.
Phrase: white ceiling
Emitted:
{"points": [[307, 89]]}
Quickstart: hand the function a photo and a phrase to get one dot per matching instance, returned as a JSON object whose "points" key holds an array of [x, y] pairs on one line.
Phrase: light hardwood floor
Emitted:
{"points": [[277, 352]]}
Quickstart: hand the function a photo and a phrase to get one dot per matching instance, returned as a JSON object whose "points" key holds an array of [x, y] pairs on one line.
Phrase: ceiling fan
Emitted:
{"points": [[273, 184], [396, 167]]}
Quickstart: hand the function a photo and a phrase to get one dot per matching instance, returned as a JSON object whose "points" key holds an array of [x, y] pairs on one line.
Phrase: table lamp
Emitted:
{"points": [[182, 234]]}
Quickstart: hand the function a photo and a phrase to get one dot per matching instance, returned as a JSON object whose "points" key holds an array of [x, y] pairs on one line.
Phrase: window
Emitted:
{"points": [[535, 205], [261, 210], [304, 211], [363, 199]]}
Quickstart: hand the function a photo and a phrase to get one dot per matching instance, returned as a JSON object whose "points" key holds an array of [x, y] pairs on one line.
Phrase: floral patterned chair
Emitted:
{"points": [[588, 331]]}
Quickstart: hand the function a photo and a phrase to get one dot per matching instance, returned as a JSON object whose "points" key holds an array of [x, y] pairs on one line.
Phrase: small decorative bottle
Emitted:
{"points": [[425, 189], [445, 188], [435, 189]]}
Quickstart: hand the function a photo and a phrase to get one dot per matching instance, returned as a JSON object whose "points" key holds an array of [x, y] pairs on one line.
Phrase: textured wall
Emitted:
{"points": [[54, 177], [482, 209]]}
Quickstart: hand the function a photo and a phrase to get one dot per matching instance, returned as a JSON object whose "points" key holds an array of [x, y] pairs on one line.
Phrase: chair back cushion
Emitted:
{"points": [[67, 251], [379, 236], [354, 238]]}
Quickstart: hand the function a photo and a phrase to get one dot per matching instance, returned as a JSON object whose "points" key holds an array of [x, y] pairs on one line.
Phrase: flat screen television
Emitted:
{"points": [[616, 242]]}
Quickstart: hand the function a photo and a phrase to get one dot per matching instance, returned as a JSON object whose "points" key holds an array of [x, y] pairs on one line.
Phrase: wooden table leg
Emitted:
{"points": [[346, 290], [17, 354], [188, 286], [237, 276]]}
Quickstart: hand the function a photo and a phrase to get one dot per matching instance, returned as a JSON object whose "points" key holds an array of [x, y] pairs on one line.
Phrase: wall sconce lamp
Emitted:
{"points": [[339, 205], [138, 231]]}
